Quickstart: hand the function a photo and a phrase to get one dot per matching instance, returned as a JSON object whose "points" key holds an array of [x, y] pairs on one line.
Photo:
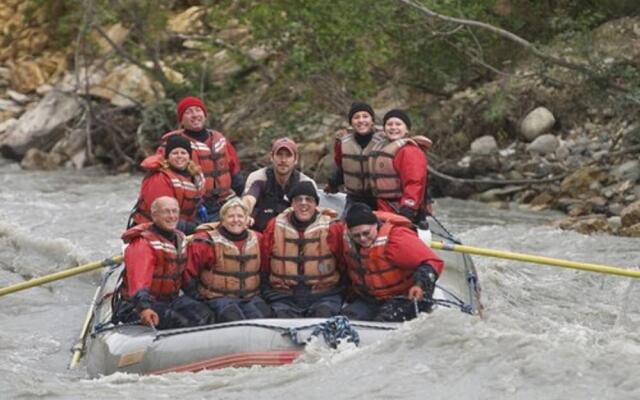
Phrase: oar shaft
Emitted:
{"points": [[603, 269], [79, 347], [58, 275]]}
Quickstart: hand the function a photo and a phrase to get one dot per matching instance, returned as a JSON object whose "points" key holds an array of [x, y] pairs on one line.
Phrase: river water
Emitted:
{"points": [[547, 332]]}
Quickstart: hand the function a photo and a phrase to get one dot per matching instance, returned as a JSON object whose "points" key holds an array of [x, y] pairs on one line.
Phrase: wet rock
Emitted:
{"points": [[586, 225], [484, 145], [629, 170], [537, 122], [36, 159], [615, 208], [578, 209], [544, 144], [580, 181], [497, 194], [483, 164], [615, 223], [632, 231], [39, 127], [631, 214], [542, 200]]}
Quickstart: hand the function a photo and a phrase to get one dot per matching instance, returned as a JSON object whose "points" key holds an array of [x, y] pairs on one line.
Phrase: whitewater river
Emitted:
{"points": [[547, 332]]}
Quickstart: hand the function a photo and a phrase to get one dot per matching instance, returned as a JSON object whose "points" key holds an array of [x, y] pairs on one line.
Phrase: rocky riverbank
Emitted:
{"points": [[537, 137]]}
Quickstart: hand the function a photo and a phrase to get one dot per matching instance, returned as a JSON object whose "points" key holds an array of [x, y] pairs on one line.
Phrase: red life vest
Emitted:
{"points": [[303, 259], [236, 273], [211, 156], [355, 163], [371, 273], [186, 189], [170, 262]]}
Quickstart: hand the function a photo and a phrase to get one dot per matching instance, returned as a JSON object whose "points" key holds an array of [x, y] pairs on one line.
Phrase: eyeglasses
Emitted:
{"points": [[303, 199]]}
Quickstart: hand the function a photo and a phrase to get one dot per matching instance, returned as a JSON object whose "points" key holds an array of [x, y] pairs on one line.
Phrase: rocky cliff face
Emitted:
{"points": [[537, 136]]}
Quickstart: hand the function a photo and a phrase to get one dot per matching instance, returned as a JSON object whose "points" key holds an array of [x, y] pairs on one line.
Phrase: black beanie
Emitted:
{"points": [[397, 114], [176, 141], [360, 106], [303, 188], [360, 214]]}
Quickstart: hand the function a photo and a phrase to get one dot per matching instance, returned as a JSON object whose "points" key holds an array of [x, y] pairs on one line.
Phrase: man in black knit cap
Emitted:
{"points": [[301, 255]]}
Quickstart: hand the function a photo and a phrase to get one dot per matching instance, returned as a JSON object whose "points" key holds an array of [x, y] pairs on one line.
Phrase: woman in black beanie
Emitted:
{"points": [[398, 169], [351, 153], [175, 175]]}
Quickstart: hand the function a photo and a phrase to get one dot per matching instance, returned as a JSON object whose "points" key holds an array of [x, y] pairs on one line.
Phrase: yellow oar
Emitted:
{"points": [[602, 269], [56, 276], [78, 349]]}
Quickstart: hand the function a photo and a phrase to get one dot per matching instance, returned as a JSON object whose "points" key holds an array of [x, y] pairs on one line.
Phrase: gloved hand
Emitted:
{"points": [[149, 317], [330, 189], [408, 213], [426, 277]]}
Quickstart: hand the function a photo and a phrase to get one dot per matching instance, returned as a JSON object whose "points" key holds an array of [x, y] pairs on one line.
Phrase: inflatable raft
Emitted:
{"points": [[143, 350]]}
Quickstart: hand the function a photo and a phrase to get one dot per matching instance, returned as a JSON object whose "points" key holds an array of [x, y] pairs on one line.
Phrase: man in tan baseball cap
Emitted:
{"points": [[265, 189]]}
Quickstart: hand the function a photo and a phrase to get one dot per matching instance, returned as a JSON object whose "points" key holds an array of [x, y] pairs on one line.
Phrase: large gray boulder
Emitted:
{"points": [[40, 126]]}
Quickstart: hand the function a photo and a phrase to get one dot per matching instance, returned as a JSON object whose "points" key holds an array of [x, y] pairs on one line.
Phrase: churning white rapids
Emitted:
{"points": [[547, 332]]}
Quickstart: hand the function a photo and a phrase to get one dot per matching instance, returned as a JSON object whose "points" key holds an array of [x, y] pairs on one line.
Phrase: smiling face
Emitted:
{"points": [[304, 207], [283, 161], [364, 235], [179, 158], [395, 129], [235, 220], [193, 119], [362, 122], [165, 213]]}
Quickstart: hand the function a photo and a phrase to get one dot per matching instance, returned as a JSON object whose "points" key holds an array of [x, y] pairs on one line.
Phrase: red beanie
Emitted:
{"points": [[187, 102]]}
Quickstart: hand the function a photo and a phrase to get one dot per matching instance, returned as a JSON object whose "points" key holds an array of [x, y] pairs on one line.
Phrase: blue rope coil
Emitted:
{"points": [[334, 330]]}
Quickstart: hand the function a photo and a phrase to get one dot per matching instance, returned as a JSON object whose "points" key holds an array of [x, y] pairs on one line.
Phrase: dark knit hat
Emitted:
{"points": [[303, 188], [397, 114], [358, 106], [360, 214], [187, 102], [176, 141]]}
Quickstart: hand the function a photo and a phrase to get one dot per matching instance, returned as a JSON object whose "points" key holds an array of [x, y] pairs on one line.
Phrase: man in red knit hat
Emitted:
{"points": [[212, 152]]}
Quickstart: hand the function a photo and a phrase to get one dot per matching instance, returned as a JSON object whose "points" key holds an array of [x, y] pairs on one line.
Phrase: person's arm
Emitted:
{"points": [[253, 188], [411, 164], [405, 250], [156, 185], [199, 253], [336, 243], [266, 244], [140, 262]]}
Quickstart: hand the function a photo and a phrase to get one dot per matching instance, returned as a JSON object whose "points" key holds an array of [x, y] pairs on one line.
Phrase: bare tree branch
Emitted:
{"points": [[584, 69]]}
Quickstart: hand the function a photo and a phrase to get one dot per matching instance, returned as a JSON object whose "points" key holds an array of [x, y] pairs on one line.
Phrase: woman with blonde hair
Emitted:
{"points": [[223, 262], [174, 175]]}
